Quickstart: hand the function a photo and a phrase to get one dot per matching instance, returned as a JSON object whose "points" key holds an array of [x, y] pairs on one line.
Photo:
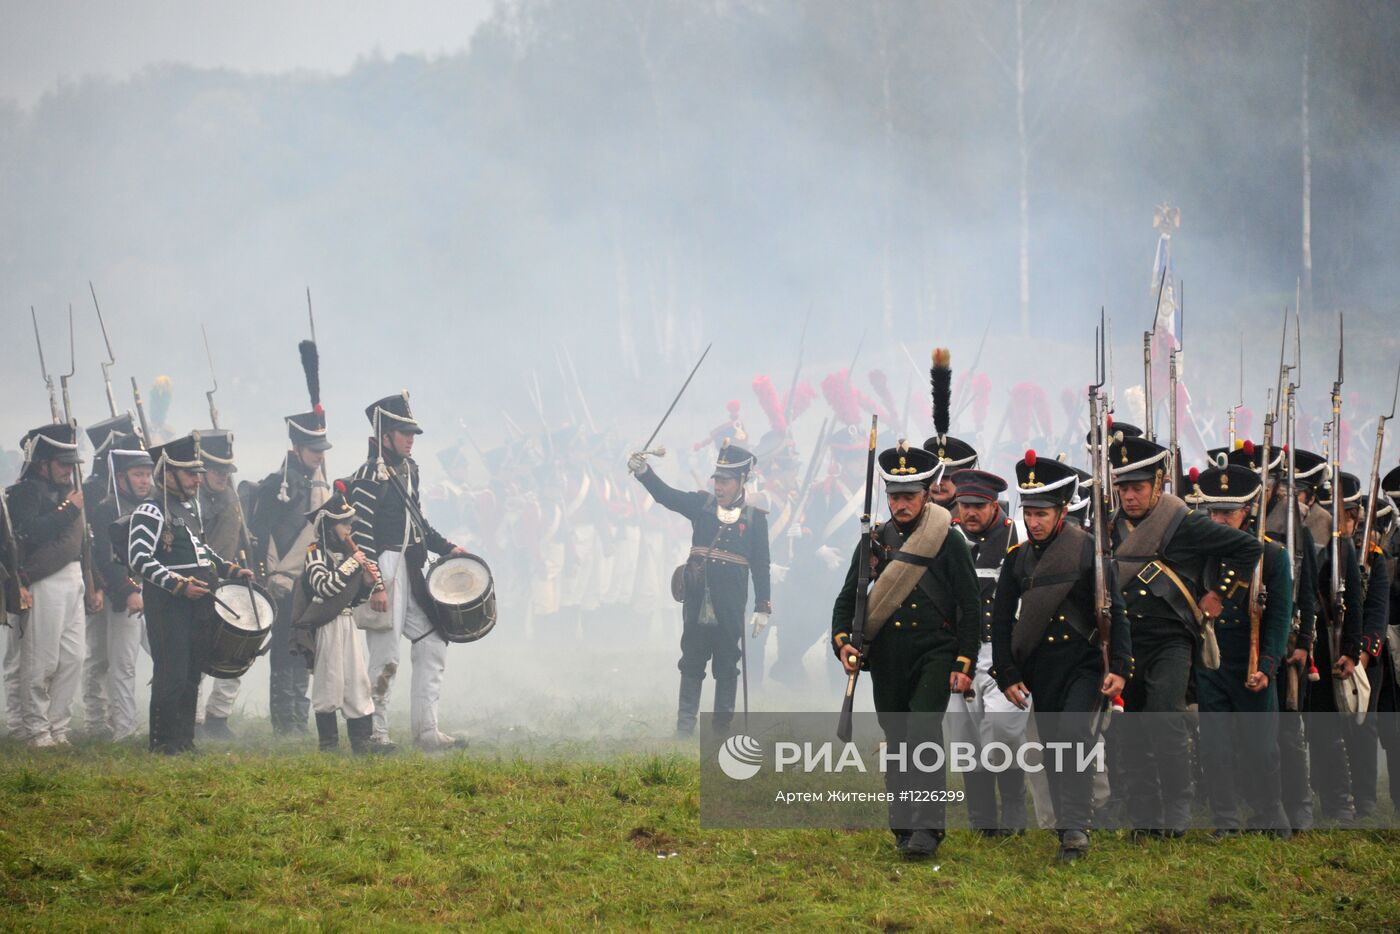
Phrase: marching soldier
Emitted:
{"points": [[987, 715], [728, 543], [1362, 739], [115, 642], [922, 631], [224, 531], [1161, 550], [1045, 639], [1389, 703], [278, 517], [96, 488], [337, 578], [46, 512], [1228, 493], [392, 532], [1331, 779], [955, 456], [177, 571]]}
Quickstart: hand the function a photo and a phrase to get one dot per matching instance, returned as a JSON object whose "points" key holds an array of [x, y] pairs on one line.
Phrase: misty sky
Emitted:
{"points": [[45, 43]]}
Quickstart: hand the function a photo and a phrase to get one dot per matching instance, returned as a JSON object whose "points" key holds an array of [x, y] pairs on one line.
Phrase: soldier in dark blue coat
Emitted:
{"points": [[1238, 708], [728, 544], [1045, 639]]}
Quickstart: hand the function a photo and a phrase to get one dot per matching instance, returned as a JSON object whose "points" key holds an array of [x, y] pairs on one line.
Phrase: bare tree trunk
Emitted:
{"points": [[1305, 299], [1025, 169]]}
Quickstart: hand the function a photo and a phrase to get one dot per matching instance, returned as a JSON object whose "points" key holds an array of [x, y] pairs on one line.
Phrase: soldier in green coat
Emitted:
{"points": [[922, 631]]}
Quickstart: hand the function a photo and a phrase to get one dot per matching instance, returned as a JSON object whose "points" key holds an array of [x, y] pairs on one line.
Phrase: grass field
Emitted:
{"points": [[570, 836]]}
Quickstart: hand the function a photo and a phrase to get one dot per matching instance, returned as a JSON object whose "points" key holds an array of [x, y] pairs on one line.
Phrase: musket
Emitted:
{"points": [[141, 411], [1240, 404], [1147, 430], [1174, 458], [90, 588], [1283, 367], [857, 642], [1374, 491], [964, 397], [797, 370], [1293, 684], [209, 355], [800, 505], [1334, 471], [578, 389], [1098, 459], [44, 369], [647, 447], [1258, 593], [111, 357]]}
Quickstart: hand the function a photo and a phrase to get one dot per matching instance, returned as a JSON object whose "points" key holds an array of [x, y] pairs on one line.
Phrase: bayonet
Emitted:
{"points": [[141, 412], [72, 371], [209, 355], [44, 369], [111, 357]]}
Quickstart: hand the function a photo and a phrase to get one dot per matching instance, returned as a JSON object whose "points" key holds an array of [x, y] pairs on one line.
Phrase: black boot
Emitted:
{"points": [[329, 731], [217, 728], [980, 786], [689, 706], [1011, 783], [360, 729], [725, 691]]}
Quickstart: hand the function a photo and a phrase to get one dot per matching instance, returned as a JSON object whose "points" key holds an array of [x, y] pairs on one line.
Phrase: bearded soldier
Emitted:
{"points": [[226, 533], [1161, 550], [278, 517], [1045, 638], [922, 632], [1224, 694], [392, 532], [177, 571], [728, 543], [987, 716], [46, 647], [109, 673]]}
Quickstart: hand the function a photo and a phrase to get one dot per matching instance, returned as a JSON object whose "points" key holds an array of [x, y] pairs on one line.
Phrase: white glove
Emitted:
{"points": [[637, 464], [760, 623], [777, 572], [830, 557], [794, 530]]}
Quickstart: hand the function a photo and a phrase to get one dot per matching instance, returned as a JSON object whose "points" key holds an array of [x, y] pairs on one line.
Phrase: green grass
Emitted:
{"points": [[102, 837]]}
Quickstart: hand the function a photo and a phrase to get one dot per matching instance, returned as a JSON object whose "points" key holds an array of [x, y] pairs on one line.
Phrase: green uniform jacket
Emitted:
{"points": [[1232, 627], [919, 645]]}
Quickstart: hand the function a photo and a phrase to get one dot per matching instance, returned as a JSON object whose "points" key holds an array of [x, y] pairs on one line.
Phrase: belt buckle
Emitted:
{"points": [[1146, 577]]}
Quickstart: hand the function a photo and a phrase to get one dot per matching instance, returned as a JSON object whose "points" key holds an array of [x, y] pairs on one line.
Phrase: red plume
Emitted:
{"points": [[1248, 448], [882, 389], [1030, 458], [1195, 474], [340, 487], [733, 407], [837, 390], [800, 400], [768, 401]]}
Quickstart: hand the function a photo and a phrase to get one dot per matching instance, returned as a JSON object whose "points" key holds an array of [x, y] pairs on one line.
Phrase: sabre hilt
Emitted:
{"points": [[658, 451]]}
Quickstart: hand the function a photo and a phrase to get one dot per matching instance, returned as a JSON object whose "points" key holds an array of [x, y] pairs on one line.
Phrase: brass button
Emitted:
{"points": [[913, 606], [896, 624]]}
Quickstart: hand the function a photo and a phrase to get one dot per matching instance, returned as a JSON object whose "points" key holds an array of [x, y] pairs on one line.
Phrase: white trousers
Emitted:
{"points": [[989, 717], [340, 677], [428, 654], [222, 693], [51, 654], [109, 671]]}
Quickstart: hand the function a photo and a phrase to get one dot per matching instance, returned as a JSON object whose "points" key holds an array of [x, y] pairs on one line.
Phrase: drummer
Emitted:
{"points": [[337, 578], [176, 570]]}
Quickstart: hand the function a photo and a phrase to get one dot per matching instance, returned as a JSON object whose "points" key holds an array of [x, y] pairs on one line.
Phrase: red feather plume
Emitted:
{"points": [[768, 401]]}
